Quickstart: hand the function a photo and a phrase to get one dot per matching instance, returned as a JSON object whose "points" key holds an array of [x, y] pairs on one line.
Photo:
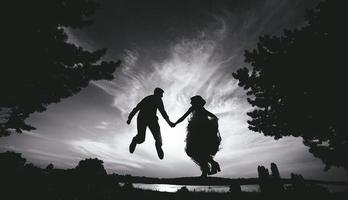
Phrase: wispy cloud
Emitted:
{"points": [[193, 66], [196, 64]]}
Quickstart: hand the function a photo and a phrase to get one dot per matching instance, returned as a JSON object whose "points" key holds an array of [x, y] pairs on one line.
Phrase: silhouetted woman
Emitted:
{"points": [[203, 137]]}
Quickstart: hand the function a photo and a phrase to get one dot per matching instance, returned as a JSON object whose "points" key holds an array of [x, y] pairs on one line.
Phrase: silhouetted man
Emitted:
{"points": [[147, 118]]}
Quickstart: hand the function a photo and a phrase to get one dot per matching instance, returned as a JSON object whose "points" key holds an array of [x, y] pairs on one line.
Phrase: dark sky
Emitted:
{"points": [[186, 47], [150, 26]]}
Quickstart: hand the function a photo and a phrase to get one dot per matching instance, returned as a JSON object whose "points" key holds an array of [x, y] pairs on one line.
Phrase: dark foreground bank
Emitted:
{"points": [[89, 180]]}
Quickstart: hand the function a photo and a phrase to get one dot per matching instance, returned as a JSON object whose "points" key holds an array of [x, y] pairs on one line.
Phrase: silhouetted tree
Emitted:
{"points": [[40, 66], [11, 162], [91, 167], [297, 85], [49, 167], [264, 179], [275, 171]]}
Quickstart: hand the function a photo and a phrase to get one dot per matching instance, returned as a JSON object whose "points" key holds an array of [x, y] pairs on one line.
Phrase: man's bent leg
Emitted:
{"points": [[156, 132], [159, 150], [140, 137]]}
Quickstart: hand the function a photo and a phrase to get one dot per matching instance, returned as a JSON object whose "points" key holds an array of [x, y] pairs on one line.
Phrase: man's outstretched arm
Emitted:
{"points": [[164, 113], [132, 113]]}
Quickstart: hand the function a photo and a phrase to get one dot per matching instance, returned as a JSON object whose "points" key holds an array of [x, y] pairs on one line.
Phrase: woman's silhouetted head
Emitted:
{"points": [[197, 101]]}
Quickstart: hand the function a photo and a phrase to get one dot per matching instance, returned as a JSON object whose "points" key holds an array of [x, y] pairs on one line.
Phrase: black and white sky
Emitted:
{"points": [[186, 47]]}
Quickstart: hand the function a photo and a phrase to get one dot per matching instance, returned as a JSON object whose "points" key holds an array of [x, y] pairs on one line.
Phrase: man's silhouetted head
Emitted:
{"points": [[158, 92]]}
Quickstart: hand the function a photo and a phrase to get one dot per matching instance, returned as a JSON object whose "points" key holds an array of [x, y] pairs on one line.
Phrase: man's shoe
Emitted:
{"points": [[132, 146], [160, 152]]}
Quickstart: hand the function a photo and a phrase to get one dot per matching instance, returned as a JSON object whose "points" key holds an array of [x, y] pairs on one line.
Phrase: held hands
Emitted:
{"points": [[171, 124]]}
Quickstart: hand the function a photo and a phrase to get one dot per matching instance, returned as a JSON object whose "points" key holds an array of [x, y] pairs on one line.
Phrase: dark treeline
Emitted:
{"points": [[89, 180], [20, 180]]}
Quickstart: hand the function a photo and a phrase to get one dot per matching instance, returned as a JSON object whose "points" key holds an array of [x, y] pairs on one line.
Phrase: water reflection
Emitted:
{"points": [[193, 188]]}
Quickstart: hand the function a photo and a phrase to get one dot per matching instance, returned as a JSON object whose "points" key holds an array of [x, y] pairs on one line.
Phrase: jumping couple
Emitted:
{"points": [[202, 139]]}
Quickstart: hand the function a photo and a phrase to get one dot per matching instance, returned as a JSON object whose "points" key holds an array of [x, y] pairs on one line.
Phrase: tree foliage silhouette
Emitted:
{"points": [[91, 167], [41, 66], [296, 85], [11, 162]]}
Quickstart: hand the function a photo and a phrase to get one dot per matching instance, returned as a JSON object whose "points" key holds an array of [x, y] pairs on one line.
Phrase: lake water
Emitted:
{"points": [[174, 188], [196, 188]]}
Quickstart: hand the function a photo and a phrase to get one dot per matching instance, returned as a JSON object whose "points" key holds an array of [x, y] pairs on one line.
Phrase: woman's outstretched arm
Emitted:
{"points": [[184, 116]]}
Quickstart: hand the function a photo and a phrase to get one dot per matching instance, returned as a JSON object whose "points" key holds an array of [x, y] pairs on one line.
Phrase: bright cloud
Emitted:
{"points": [[92, 123], [193, 66]]}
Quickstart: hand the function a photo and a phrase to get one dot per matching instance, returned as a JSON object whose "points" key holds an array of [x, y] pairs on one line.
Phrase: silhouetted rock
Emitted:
{"points": [[263, 178], [275, 171], [269, 183]]}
